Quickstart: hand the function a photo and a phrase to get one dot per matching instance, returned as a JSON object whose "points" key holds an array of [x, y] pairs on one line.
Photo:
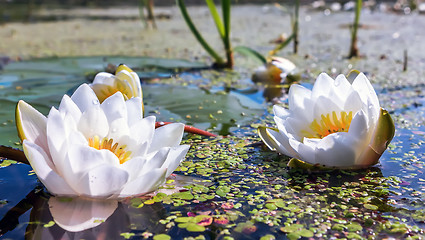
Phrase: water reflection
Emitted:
{"points": [[79, 218]]}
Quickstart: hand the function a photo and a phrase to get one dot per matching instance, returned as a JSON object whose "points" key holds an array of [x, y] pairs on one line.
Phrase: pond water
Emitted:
{"points": [[234, 188]]}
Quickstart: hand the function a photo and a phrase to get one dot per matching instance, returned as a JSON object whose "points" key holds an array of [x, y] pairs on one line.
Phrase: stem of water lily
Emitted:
{"points": [[188, 129]]}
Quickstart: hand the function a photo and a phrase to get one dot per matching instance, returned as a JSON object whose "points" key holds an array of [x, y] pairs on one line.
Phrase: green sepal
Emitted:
{"points": [[384, 132], [267, 139], [298, 164]]}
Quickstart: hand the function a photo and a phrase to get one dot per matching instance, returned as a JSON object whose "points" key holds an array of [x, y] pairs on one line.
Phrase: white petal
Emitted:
{"points": [[156, 160], [167, 136], [143, 130], [175, 157], [93, 122], [68, 108], [322, 86], [134, 167], [84, 97], [306, 152], [134, 110], [42, 166], [57, 137], [31, 125], [362, 85], [280, 111], [300, 103], [324, 106], [145, 183], [102, 181], [353, 102], [114, 107], [104, 78], [82, 161], [282, 142], [80, 214], [340, 89], [336, 150]]}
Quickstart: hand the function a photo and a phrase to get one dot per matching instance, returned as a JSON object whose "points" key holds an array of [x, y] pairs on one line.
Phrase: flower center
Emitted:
{"points": [[328, 124], [108, 144]]}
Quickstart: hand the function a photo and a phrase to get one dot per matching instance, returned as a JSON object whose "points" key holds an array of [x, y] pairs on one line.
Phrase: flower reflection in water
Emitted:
{"points": [[80, 218], [78, 214]]}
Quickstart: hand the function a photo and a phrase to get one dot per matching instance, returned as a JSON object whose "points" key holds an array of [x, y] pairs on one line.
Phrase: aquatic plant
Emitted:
{"points": [[337, 124], [99, 150], [223, 27], [354, 51]]}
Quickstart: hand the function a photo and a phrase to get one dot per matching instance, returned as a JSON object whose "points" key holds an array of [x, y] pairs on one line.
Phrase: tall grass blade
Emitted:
{"points": [[249, 52], [196, 33], [226, 5], [216, 17]]}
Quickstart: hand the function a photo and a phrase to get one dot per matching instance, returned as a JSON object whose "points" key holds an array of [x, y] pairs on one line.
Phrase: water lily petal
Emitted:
{"points": [[335, 150], [174, 158], [102, 181], [134, 167], [167, 136], [144, 130], [84, 98], [280, 111], [322, 86], [307, 152], [363, 86], [282, 142], [31, 125], [104, 78], [82, 160], [145, 183], [68, 107], [43, 167], [57, 137], [114, 107], [135, 110], [93, 122], [300, 102], [156, 159]]}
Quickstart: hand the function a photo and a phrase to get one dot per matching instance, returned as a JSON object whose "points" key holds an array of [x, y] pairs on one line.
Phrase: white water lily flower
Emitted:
{"points": [[274, 71], [125, 81], [95, 150], [337, 124]]}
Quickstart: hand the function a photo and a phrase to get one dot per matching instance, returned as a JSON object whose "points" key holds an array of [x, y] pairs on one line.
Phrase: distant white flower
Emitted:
{"points": [[95, 150], [125, 81], [337, 124], [274, 71]]}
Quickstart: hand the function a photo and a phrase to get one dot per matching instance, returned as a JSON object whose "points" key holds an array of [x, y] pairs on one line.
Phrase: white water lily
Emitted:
{"points": [[336, 124], [95, 150], [125, 81], [274, 71]]}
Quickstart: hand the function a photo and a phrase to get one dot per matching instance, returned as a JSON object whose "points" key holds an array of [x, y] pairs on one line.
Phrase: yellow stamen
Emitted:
{"points": [[118, 150], [328, 124]]}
